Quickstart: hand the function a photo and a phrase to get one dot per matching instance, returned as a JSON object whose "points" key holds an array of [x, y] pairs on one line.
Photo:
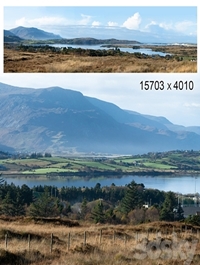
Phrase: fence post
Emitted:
{"points": [[68, 241], [85, 238], [113, 235], [51, 244], [125, 239], [100, 236], [29, 239], [6, 240]]}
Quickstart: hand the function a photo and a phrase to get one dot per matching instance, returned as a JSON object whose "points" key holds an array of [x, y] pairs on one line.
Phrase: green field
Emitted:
{"points": [[168, 162]]}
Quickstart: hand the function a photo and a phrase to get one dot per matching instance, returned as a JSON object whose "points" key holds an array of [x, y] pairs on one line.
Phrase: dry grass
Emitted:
{"points": [[119, 243], [20, 62]]}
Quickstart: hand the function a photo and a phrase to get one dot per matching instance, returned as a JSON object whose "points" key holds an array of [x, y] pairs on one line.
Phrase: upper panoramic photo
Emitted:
{"points": [[100, 39]]}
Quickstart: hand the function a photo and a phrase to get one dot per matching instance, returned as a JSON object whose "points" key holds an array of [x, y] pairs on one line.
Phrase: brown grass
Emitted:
{"points": [[30, 62], [118, 244]]}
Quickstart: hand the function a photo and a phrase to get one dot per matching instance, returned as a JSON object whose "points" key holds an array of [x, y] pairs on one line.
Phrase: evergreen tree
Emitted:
{"points": [[19, 208], [7, 207], [179, 215], [97, 214], [167, 211], [84, 208], [133, 197], [45, 206]]}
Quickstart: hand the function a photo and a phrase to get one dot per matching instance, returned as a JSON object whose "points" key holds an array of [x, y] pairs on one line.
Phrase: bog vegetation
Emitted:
{"points": [[45, 58]]}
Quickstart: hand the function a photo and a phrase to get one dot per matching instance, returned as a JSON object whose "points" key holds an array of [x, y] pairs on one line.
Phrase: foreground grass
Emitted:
{"points": [[21, 62], [103, 244]]}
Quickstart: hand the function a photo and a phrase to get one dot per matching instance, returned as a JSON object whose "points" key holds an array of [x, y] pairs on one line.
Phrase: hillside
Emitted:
{"points": [[33, 33], [11, 37], [64, 121]]}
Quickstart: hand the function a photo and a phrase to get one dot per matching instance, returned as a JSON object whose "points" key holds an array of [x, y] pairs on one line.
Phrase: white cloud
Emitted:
{"points": [[96, 23], [187, 27], [43, 21], [112, 24], [55, 21], [184, 26], [192, 105], [133, 22], [85, 20]]}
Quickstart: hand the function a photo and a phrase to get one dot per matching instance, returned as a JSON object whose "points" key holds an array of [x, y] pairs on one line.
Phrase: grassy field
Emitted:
{"points": [[172, 163], [21, 62], [87, 244]]}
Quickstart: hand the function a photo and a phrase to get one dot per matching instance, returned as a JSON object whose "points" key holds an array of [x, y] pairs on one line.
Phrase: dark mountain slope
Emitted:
{"points": [[10, 37], [132, 118]]}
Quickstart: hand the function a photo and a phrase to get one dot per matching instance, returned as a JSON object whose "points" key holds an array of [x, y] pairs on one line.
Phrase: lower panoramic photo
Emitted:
{"points": [[99, 171]]}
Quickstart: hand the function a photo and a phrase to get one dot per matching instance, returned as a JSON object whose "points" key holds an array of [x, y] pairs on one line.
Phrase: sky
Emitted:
{"points": [[132, 22], [180, 107]]}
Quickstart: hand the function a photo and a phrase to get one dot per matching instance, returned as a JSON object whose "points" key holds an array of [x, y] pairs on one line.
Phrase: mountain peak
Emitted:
{"points": [[33, 33]]}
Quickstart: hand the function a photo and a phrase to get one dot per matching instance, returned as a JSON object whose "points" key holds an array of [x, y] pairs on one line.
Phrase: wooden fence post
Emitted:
{"points": [[136, 236], [100, 236], [6, 240], [85, 238], [29, 239], [125, 239], [51, 243], [68, 242], [113, 235]]}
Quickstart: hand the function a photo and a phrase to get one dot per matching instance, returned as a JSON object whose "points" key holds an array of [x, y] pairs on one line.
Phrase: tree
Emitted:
{"points": [[97, 214], [133, 197], [167, 211], [18, 204], [45, 206], [179, 213], [7, 205], [84, 208]]}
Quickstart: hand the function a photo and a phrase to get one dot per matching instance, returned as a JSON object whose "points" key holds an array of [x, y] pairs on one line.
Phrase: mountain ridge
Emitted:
{"points": [[65, 121], [33, 33]]}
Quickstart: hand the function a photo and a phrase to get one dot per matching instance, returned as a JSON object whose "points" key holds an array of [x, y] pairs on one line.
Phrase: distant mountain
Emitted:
{"points": [[174, 127], [63, 121], [33, 34], [11, 37]]}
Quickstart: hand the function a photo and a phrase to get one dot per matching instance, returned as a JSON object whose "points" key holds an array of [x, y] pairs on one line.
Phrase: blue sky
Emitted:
{"points": [[120, 21]]}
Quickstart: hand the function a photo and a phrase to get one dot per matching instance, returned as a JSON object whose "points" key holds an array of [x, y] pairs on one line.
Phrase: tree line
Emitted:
{"points": [[132, 203]]}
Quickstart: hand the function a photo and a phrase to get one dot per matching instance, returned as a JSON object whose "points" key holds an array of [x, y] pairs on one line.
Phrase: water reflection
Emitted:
{"points": [[183, 184]]}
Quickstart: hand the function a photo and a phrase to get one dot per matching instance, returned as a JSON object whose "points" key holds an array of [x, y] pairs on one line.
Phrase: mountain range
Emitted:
{"points": [[75, 33], [63, 121], [23, 33]]}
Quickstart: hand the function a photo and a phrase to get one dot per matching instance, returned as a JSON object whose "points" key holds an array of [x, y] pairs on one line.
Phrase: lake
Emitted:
{"points": [[99, 47], [182, 184]]}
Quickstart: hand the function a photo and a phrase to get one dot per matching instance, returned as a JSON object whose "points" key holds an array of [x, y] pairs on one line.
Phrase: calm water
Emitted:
{"points": [[99, 47], [182, 184]]}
